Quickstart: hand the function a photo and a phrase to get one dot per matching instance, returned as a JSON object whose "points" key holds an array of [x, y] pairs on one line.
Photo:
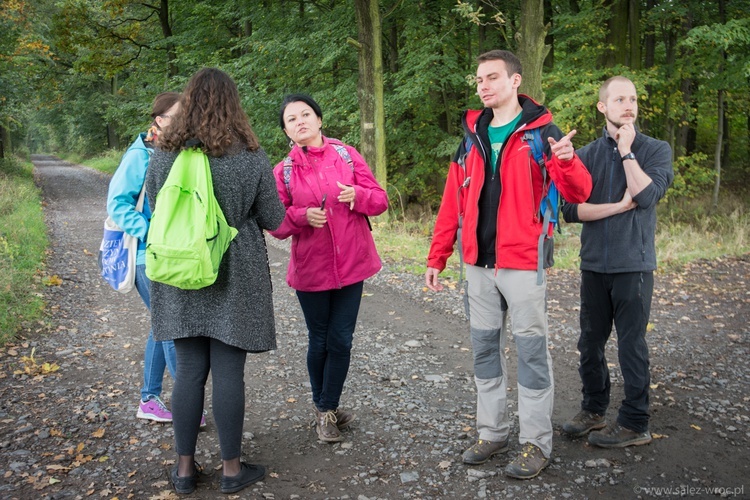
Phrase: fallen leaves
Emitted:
{"points": [[54, 280], [31, 367]]}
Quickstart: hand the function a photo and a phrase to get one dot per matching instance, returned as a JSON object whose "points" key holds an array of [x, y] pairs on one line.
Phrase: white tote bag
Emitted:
{"points": [[117, 253]]}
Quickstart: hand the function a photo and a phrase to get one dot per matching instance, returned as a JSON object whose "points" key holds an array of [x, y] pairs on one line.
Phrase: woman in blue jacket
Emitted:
{"points": [[122, 197]]}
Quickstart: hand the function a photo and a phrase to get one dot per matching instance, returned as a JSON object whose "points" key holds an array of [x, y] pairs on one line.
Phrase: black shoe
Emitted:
{"points": [[184, 485], [617, 436], [248, 475], [584, 422]]}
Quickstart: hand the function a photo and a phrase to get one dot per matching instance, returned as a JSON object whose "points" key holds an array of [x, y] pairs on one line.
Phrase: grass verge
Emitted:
{"points": [[23, 243], [108, 161], [684, 234]]}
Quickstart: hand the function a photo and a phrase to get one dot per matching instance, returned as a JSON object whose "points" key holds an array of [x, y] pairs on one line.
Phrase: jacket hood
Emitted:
{"points": [[140, 144], [533, 114], [476, 122]]}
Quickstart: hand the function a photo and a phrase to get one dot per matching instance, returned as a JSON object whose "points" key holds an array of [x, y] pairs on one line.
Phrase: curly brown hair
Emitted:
{"points": [[210, 113]]}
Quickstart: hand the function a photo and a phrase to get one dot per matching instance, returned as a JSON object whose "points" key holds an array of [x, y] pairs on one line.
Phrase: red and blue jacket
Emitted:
{"points": [[499, 212]]}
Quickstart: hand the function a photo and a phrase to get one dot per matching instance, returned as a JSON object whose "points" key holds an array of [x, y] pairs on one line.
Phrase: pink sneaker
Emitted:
{"points": [[154, 409], [203, 418]]}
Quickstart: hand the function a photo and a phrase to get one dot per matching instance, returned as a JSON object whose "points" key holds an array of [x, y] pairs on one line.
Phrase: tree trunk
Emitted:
{"points": [[727, 138], [531, 47], [650, 38], [617, 34], [3, 136], [649, 43], [683, 131], [370, 88], [717, 152], [686, 88], [393, 47], [482, 28], [634, 33], [112, 140], [549, 61], [670, 46], [166, 30]]}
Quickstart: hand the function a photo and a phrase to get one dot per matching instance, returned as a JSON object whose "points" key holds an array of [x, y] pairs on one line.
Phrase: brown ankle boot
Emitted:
{"points": [[344, 418], [325, 422]]}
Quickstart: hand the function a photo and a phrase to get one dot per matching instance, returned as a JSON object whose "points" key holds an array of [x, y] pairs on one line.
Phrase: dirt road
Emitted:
{"points": [[72, 433]]}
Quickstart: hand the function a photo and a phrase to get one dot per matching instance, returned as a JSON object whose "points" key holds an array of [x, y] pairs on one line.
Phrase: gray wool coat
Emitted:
{"points": [[237, 309]]}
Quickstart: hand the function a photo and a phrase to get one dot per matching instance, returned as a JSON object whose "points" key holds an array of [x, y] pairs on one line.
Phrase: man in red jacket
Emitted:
{"points": [[491, 203]]}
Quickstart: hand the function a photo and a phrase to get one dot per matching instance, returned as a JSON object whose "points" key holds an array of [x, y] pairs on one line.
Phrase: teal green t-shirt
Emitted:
{"points": [[498, 136]]}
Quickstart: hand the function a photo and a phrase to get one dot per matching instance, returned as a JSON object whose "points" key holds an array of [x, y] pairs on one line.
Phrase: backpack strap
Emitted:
{"points": [[534, 139], [461, 161], [340, 149], [344, 154]]}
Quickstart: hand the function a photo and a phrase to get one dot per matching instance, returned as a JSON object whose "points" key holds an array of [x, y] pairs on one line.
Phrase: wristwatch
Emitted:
{"points": [[629, 156]]}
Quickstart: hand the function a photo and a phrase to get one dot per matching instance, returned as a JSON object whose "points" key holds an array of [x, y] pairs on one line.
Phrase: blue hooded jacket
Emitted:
{"points": [[124, 189]]}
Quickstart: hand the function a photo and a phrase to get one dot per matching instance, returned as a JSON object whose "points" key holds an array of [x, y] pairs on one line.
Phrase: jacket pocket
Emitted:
{"points": [[640, 232]]}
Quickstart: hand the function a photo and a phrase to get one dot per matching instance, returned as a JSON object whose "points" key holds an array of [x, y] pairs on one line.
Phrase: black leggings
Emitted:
{"points": [[196, 357]]}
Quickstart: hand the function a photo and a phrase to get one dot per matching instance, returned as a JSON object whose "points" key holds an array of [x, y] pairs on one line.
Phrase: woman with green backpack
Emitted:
{"points": [[214, 327]]}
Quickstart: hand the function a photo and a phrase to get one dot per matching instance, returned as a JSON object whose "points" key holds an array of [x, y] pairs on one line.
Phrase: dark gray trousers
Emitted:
{"points": [[196, 357]]}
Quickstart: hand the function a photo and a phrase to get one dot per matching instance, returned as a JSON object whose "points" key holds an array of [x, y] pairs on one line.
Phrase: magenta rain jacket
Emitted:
{"points": [[342, 252]]}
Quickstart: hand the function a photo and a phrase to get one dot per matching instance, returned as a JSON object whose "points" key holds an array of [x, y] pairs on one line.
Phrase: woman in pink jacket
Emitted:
{"points": [[328, 191]]}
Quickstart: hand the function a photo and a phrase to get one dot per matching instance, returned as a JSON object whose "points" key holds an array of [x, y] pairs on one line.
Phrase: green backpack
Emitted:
{"points": [[188, 234]]}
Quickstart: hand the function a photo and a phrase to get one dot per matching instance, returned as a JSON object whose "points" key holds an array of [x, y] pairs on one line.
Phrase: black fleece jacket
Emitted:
{"points": [[624, 242]]}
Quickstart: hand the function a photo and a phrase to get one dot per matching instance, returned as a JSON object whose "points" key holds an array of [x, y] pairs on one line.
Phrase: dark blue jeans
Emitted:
{"points": [[158, 355], [331, 316], [625, 299]]}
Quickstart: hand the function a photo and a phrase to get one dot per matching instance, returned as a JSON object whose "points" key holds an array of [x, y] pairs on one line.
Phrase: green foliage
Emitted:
{"points": [[23, 241], [693, 175], [107, 161], [82, 68]]}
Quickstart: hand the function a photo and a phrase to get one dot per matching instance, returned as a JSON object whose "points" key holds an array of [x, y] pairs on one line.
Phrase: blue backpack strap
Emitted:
{"points": [[461, 161], [548, 207]]}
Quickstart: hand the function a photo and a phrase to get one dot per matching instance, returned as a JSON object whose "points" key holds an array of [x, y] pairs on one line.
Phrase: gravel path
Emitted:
{"points": [[72, 433]]}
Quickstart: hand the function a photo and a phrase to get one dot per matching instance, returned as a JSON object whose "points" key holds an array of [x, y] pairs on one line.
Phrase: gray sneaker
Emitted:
{"points": [[529, 463], [483, 450], [583, 422], [617, 436]]}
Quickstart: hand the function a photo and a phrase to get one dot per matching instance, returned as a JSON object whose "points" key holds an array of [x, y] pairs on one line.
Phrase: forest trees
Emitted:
{"points": [[370, 87], [23, 56], [80, 74]]}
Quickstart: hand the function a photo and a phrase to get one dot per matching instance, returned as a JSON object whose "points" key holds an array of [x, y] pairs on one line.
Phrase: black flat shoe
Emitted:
{"points": [[184, 485], [248, 475]]}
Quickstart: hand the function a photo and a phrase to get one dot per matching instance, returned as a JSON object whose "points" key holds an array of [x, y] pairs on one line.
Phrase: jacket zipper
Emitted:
{"points": [[610, 174]]}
